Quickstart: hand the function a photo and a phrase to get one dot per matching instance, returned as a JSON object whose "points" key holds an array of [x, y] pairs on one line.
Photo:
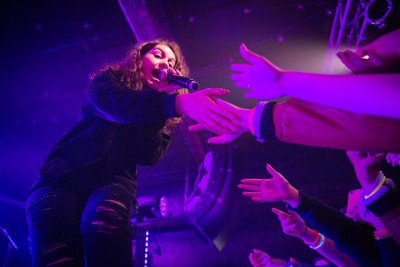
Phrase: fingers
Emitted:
{"points": [[222, 139], [253, 181], [196, 127], [293, 213], [394, 159], [214, 91], [281, 215], [249, 187], [354, 62]]}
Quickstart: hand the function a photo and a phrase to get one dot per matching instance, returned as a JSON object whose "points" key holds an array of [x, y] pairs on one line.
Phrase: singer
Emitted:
{"points": [[179, 80], [79, 209]]}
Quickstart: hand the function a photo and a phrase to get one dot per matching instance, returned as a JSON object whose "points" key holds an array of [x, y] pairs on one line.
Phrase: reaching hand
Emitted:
{"points": [[259, 258], [201, 107], [366, 166], [242, 118], [291, 223], [274, 189], [260, 77], [381, 55], [393, 158]]}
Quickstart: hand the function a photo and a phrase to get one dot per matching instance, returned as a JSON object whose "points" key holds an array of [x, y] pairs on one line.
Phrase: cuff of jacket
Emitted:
{"points": [[168, 106], [383, 201], [263, 125], [305, 202]]}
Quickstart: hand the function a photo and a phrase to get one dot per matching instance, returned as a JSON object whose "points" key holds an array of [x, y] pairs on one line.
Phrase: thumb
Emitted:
{"points": [[293, 213], [249, 55], [272, 171], [281, 214]]}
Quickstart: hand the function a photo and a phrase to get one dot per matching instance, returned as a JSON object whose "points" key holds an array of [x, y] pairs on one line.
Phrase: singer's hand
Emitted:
{"points": [[261, 77], [242, 118], [201, 107]]}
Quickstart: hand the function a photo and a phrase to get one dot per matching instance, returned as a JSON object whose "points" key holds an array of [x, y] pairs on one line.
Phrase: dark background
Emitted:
{"points": [[49, 48]]}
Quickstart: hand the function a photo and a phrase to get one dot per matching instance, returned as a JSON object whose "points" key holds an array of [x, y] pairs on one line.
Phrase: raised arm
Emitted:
{"points": [[293, 225], [375, 94]]}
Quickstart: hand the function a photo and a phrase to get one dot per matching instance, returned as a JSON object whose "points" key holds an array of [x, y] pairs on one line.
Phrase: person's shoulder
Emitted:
{"points": [[105, 75]]}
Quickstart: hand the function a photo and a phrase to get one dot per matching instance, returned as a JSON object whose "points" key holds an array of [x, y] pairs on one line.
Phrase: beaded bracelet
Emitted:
{"points": [[320, 243]]}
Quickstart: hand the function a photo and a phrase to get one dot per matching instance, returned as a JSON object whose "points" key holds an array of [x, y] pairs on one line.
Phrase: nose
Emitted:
{"points": [[163, 64]]}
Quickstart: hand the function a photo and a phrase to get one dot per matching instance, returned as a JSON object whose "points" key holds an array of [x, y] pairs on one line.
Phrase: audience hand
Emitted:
{"points": [[367, 167], [260, 77], [393, 158], [381, 55], [259, 258], [291, 223], [274, 189]]}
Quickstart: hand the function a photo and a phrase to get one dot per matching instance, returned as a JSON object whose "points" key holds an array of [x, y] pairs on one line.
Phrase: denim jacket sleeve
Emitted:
{"points": [[301, 122], [108, 99]]}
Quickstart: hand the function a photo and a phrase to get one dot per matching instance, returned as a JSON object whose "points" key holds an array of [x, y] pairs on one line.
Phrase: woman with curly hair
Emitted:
{"points": [[79, 209]]}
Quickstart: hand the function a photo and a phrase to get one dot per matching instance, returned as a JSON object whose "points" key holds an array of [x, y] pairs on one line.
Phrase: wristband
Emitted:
{"points": [[320, 243], [382, 179]]}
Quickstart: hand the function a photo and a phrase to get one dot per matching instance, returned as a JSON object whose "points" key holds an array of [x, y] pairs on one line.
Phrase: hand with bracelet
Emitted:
{"points": [[367, 167], [273, 189], [291, 223]]}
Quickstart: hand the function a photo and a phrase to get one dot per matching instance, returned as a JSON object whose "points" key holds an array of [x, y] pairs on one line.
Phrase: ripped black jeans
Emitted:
{"points": [[81, 229]]}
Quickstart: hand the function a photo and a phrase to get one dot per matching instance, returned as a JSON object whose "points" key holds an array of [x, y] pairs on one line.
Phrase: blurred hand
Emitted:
{"points": [[366, 166], [242, 118], [381, 55], [274, 189], [201, 107], [291, 223], [259, 258], [260, 77], [393, 158]]}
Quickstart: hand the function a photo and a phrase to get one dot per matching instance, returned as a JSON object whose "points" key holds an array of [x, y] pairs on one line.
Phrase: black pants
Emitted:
{"points": [[72, 228]]}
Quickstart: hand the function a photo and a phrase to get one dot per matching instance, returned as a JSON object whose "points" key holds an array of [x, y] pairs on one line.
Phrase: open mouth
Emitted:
{"points": [[156, 74]]}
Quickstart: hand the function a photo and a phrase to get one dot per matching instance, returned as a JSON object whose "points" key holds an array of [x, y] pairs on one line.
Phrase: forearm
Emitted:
{"points": [[301, 122], [375, 94], [329, 251], [385, 204]]}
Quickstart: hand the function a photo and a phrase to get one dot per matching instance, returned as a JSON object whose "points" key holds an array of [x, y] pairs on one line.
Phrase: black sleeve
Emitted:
{"points": [[108, 99], [353, 238]]}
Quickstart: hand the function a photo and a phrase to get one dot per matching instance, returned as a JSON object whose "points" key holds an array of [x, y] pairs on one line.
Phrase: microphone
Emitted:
{"points": [[186, 82]]}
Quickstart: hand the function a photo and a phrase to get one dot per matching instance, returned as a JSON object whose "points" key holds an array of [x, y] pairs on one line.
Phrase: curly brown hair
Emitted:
{"points": [[130, 68]]}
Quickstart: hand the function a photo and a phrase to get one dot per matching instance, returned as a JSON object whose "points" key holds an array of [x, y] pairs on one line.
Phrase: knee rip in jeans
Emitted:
{"points": [[110, 217], [52, 252], [43, 208]]}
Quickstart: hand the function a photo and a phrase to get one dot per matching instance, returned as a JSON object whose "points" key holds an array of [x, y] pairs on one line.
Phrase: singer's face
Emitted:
{"points": [[158, 58]]}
